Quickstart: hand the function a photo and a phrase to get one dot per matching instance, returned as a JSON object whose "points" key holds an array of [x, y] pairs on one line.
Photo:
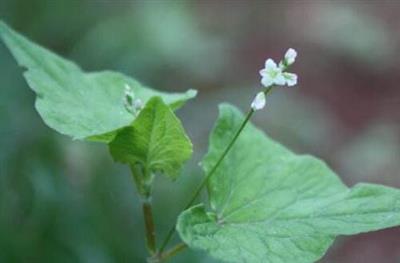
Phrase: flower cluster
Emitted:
{"points": [[275, 74], [131, 104]]}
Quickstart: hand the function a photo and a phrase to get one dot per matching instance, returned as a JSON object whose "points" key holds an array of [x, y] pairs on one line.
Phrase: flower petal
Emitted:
{"points": [[267, 81], [291, 79], [280, 79], [270, 64], [263, 72]]}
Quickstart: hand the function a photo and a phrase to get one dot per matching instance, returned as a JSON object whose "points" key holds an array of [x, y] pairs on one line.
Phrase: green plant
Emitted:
{"points": [[266, 204]]}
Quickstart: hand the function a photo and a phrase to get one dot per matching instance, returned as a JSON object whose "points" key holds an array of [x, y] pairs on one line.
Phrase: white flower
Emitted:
{"points": [[274, 74], [258, 102], [271, 74], [290, 56]]}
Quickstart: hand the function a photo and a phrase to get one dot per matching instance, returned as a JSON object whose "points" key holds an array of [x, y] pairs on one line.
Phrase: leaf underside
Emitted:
{"points": [[267, 204], [156, 140], [81, 105]]}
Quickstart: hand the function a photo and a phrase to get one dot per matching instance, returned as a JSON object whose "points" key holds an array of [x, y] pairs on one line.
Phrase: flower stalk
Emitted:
{"points": [[272, 75]]}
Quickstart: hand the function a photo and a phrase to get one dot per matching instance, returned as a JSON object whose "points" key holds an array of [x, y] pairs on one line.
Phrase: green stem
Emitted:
{"points": [[143, 181], [149, 224], [172, 252], [212, 171]]}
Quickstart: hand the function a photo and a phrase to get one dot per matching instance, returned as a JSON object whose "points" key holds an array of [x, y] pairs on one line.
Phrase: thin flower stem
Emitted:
{"points": [[149, 224], [212, 171]]}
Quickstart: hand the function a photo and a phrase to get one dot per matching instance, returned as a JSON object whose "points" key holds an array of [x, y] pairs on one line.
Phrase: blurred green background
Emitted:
{"points": [[66, 201]]}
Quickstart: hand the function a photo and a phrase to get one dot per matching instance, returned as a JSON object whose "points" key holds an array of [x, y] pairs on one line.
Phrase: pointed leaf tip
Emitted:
{"points": [[81, 105], [156, 140]]}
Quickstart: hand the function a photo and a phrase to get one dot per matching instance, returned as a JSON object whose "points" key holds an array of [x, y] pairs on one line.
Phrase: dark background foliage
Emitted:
{"points": [[66, 201]]}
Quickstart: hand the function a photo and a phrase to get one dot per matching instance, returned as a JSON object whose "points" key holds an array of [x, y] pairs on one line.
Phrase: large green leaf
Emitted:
{"points": [[75, 103], [268, 204], [156, 140]]}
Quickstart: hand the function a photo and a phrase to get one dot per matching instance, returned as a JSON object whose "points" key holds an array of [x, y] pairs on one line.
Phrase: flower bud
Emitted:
{"points": [[290, 56], [258, 102]]}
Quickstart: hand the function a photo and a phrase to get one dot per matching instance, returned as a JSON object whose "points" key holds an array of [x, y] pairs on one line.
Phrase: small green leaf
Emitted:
{"points": [[271, 205], [156, 140], [75, 103]]}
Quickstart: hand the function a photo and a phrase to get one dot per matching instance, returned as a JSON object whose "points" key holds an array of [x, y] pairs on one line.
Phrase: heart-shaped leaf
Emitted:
{"points": [[268, 204]]}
